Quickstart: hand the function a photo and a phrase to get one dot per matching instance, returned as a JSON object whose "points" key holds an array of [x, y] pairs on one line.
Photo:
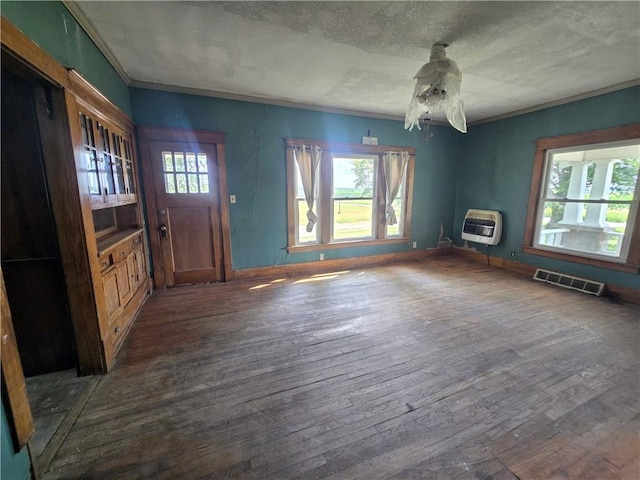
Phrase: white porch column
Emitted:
{"points": [[577, 187], [597, 214]]}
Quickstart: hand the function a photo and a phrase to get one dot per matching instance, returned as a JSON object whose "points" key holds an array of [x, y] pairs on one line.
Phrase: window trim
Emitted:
{"points": [[538, 178], [330, 149]]}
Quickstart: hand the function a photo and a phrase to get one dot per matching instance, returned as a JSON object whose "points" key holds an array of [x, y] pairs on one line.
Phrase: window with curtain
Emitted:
{"points": [[347, 194]]}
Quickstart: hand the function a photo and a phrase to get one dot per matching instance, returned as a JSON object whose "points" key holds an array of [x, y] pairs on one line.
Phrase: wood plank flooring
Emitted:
{"points": [[436, 370]]}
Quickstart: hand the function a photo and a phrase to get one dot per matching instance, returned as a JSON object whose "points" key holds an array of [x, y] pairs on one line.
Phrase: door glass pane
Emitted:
{"points": [[181, 183], [179, 161], [92, 170], [191, 162], [197, 178], [204, 183], [202, 163], [169, 183], [168, 161], [193, 182]]}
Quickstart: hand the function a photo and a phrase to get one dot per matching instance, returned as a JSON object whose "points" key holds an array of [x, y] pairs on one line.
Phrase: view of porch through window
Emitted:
{"points": [[590, 197]]}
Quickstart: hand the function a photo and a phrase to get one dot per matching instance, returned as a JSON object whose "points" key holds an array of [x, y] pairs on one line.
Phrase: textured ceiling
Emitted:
{"points": [[362, 56]]}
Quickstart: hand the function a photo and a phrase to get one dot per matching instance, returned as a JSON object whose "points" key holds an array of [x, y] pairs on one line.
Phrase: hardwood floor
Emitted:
{"points": [[440, 370]]}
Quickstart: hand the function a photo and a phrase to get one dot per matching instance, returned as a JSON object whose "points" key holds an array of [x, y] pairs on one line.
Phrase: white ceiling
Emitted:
{"points": [[362, 56]]}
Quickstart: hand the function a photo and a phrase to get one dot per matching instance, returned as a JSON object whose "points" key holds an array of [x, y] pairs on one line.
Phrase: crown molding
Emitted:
{"points": [[555, 103], [268, 101], [90, 29], [92, 32]]}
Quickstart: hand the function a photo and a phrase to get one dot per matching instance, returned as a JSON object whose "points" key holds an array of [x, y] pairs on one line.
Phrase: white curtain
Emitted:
{"points": [[394, 165], [308, 159]]}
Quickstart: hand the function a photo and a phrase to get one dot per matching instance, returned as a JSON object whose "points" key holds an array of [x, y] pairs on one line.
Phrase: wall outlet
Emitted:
{"points": [[322, 256], [232, 199], [415, 244]]}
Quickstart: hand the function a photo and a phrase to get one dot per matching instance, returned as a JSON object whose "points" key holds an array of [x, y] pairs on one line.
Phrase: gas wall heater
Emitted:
{"points": [[482, 226]]}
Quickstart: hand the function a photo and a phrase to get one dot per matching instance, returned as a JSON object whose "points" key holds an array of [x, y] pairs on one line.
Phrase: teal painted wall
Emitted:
{"points": [[494, 171], [12, 466], [490, 167], [256, 167], [54, 29]]}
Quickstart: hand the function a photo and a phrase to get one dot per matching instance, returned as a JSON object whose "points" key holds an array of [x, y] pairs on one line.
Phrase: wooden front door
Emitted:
{"points": [[190, 212]]}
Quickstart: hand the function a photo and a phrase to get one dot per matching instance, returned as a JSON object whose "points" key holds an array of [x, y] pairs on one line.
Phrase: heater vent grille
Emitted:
{"points": [[568, 281]]}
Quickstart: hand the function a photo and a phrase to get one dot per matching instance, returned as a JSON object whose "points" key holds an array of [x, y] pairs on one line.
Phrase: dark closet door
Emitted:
{"points": [[30, 254]]}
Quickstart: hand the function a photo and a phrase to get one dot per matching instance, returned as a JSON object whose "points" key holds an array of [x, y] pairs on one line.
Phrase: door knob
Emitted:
{"points": [[163, 230]]}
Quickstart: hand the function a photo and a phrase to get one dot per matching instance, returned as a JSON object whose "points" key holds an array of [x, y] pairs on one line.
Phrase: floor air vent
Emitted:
{"points": [[567, 281]]}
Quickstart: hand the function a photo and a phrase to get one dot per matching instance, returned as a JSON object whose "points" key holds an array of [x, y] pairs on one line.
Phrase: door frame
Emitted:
{"points": [[146, 135], [59, 160]]}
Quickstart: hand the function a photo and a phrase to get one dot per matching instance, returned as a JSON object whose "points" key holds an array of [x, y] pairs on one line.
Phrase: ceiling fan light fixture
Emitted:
{"points": [[437, 87]]}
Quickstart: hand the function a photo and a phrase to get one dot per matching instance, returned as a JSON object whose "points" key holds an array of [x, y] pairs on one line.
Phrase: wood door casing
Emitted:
{"points": [[13, 383], [188, 205], [197, 247]]}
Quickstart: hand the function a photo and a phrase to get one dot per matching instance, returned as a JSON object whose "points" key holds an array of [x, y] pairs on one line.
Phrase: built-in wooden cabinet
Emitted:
{"points": [[89, 152], [124, 273], [114, 227]]}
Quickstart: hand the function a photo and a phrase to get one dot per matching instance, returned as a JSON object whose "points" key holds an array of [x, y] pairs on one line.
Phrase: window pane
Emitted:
{"points": [[398, 206], [299, 187], [353, 177], [352, 219], [353, 188], [594, 174], [303, 235], [394, 230], [606, 176], [597, 229], [303, 208]]}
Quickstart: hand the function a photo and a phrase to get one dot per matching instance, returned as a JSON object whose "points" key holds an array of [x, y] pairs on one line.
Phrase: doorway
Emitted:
{"points": [[32, 261], [184, 177], [30, 255]]}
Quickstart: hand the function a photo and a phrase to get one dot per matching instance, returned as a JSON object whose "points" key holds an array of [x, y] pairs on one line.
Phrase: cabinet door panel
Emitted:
{"points": [[141, 268], [111, 295], [124, 283]]}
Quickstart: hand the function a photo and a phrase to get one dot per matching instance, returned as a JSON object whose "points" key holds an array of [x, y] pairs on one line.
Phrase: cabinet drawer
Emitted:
{"points": [[105, 262], [125, 248], [118, 329], [121, 252]]}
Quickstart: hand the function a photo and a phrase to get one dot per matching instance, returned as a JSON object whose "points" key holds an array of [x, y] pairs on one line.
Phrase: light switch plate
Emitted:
{"points": [[232, 199]]}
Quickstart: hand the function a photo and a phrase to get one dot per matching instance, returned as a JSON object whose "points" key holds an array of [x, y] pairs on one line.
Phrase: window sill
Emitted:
{"points": [[346, 244], [620, 267]]}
